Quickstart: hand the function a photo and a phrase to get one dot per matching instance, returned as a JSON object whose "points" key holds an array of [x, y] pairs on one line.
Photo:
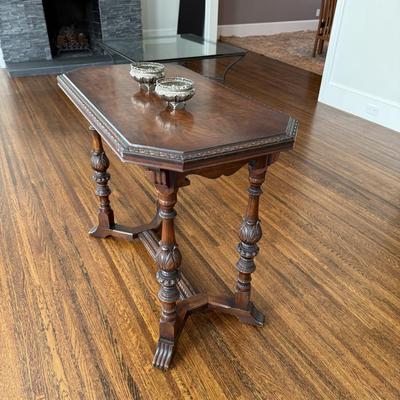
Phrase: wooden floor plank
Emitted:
{"points": [[79, 316]]}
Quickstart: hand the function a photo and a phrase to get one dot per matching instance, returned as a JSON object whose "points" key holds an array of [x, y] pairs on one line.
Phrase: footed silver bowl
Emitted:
{"points": [[176, 91], [147, 74]]}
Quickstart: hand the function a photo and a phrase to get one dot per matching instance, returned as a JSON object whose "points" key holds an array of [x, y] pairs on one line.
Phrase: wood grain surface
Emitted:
{"points": [[79, 315], [138, 126], [215, 116]]}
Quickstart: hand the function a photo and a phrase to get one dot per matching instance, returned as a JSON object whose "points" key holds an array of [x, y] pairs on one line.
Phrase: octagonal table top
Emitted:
{"points": [[218, 125]]}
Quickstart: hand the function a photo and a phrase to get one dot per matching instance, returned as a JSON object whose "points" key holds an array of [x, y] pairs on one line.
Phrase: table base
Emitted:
{"points": [[177, 297], [189, 301]]}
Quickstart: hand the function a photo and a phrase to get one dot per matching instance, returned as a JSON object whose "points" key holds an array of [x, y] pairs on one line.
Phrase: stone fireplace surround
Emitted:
{"points": [[23, 29]]}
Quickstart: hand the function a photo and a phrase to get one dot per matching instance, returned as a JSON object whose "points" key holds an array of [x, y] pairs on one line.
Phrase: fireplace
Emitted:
{"points": [[72, 26], [39, 30]]}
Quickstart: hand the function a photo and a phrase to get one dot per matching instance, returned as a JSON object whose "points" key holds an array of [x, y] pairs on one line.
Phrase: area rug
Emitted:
{"points": [[294, 48]]}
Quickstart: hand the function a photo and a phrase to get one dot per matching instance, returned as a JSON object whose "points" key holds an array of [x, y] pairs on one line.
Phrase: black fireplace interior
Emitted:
{"points": [[72, 25]]}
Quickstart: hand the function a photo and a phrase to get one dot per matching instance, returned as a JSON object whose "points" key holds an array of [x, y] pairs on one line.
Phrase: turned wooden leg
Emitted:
{"points": [[100, 164], [168, 258], [250, 233]]}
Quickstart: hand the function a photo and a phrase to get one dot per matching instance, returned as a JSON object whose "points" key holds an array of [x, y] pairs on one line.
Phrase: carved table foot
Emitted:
{"points": [[199, 302], [253, 317], [100, 232], [163, 355]]}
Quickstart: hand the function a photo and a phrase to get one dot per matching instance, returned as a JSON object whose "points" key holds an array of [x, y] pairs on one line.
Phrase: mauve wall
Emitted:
{"points": [[255, 11]]}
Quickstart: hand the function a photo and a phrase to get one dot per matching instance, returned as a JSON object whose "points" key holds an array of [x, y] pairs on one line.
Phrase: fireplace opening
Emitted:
{"points": [[72, 26]]}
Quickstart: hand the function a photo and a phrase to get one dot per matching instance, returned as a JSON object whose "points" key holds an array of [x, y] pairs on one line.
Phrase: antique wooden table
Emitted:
{"points": [[218, 133]]}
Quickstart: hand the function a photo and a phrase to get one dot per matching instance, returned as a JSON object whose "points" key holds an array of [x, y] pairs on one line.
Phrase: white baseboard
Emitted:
{"points": [[337, 90], [364, 105], [267, 28]]}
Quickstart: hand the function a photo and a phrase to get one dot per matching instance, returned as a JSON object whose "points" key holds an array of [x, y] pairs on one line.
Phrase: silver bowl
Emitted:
{"points": [[147, 74], [176, 91]]}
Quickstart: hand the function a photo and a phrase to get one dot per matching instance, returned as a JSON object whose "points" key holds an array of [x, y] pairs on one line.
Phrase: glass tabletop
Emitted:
{"points": [[170, 48]]}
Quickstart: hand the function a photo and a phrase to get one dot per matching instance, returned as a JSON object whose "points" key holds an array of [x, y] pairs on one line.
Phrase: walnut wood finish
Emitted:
{"points": [[169, 259], [178, 298], [250, 233], [100, 164], [80, 316], [254, 135], [106, 226], [138, 128]]}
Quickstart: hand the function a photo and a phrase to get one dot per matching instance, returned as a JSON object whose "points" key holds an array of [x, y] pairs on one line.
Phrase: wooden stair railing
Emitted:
{"points": [[325, 25]]}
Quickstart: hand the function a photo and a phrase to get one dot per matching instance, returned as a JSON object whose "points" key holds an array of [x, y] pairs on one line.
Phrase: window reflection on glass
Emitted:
{"points": [[166, 18]]}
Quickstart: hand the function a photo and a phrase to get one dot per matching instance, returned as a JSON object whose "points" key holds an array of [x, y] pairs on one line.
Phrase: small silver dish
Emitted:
{"points": [[147, 74], [176, 91]]}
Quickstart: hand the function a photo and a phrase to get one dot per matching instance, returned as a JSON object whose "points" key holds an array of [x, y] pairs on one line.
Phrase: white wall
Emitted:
{"points": [[2, 63], [211, 20], [362, 71], [160, 17]]}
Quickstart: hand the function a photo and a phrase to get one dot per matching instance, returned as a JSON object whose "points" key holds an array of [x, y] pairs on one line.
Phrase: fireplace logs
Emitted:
{"points": [[70, 39]]}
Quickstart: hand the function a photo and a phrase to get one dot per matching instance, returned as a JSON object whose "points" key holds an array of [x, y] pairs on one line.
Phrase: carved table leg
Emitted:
{"points": [[250, 233], [168, 258], [100, 164], [178, 299], [107, 226]]}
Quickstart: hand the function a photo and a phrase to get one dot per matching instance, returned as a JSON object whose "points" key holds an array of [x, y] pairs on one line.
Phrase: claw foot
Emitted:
{"points": [[163, 355]]}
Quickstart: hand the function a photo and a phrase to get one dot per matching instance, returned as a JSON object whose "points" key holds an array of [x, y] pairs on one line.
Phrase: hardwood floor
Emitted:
{"points": [[79, 316]]}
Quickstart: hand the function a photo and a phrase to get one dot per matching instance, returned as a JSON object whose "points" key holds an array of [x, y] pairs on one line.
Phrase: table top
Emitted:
{"points": [[170, 48], [218, 125]]}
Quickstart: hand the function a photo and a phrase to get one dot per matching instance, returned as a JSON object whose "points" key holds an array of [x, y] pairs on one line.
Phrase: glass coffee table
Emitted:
{"points": [[176, 48]]}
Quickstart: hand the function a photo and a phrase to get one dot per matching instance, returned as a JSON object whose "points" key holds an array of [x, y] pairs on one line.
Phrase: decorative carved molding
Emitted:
{"points": [[116, 142], [168, 280], [168, 256], [163, 355], [99, 161], [250, 231], [100, 164], [150, 241]]}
